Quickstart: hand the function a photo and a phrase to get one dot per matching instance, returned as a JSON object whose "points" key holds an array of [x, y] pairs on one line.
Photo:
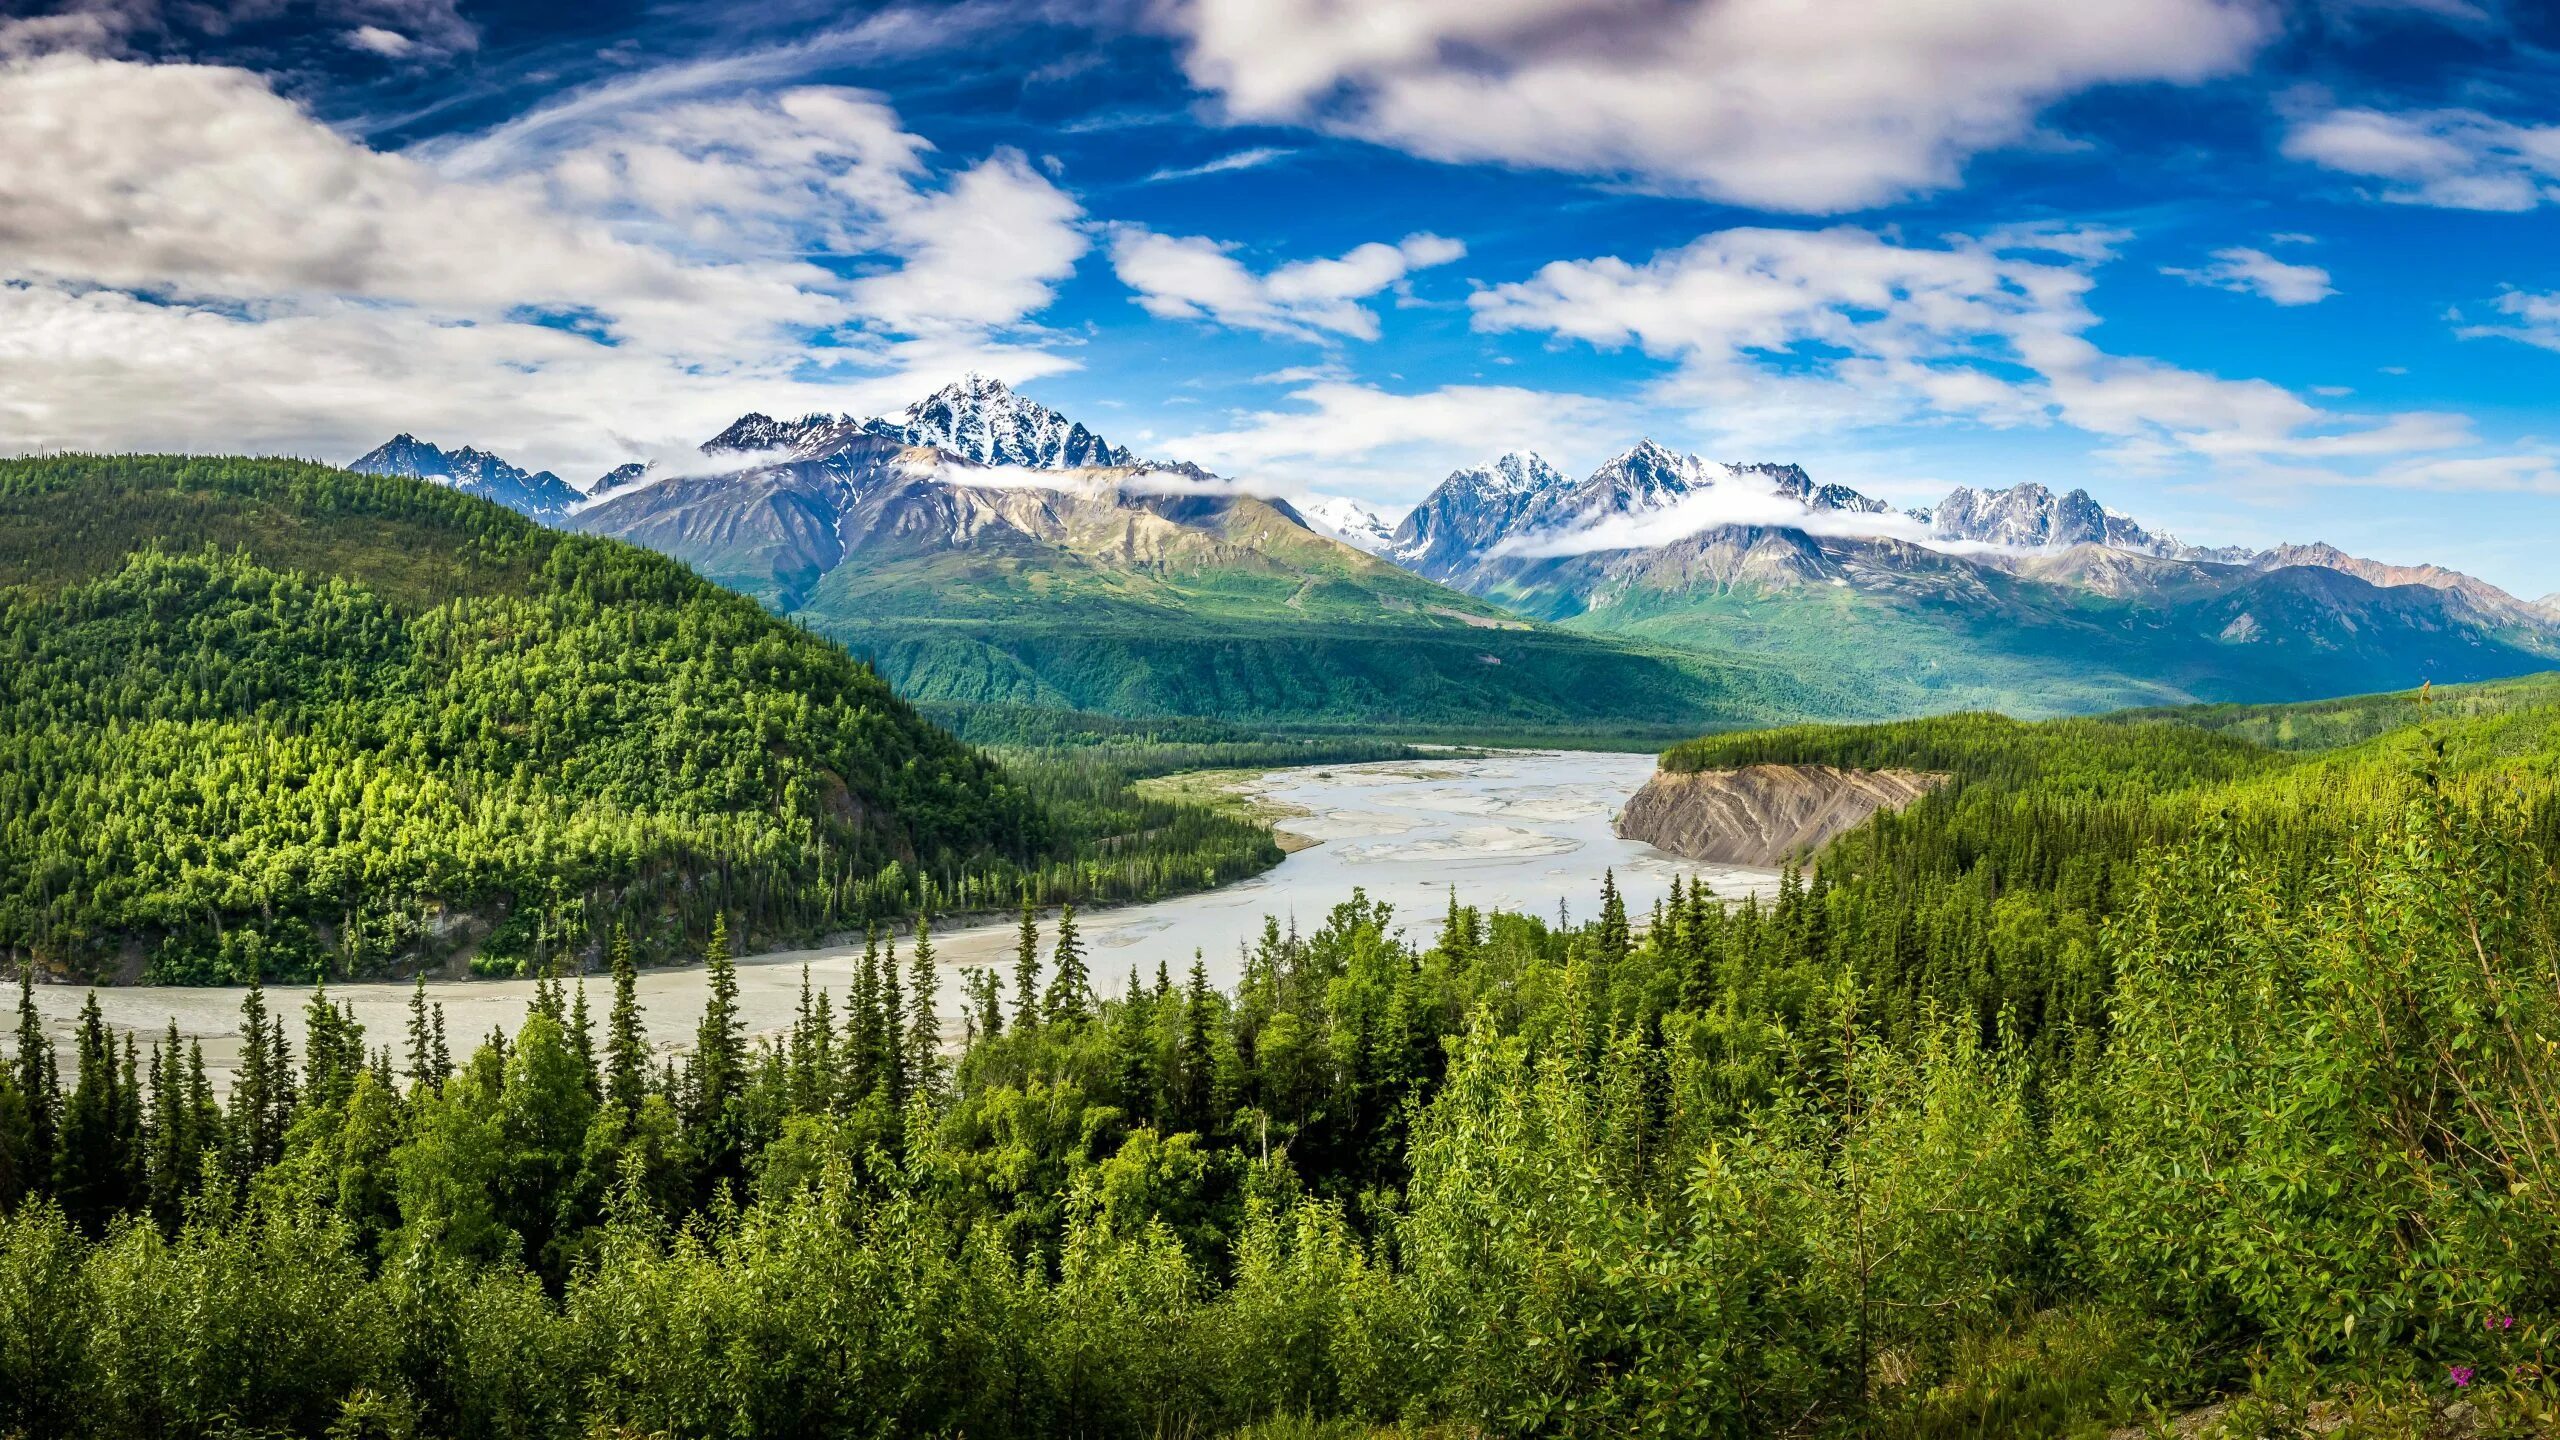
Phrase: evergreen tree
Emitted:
{"points": [[18, 1175], [582, 1041], [863, 1039], [892, 1026], [259, 1102], [924, 1027], [719, 1050], [420, 1059], [439, 1056], [38, 1089], [1613, 940], [94, 1164], [1026, 969], [332, 1049], [1133, 1052], [626, 1039], [1196, 1061], [1070, 997]]}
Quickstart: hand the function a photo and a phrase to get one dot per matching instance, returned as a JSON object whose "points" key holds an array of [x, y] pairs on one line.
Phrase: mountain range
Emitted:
{"points": [[2020, 599], [981, 548]]}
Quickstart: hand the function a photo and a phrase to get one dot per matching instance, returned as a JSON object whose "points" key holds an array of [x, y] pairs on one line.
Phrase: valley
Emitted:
{"points": [[982, 549], [1515, 831]]}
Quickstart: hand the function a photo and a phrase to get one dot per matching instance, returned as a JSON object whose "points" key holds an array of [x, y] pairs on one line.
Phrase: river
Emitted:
{"points": [[1516, 830]]}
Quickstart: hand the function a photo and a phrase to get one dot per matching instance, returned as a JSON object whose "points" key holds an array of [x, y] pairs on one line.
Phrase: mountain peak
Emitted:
{"points": [[473, 471], [2028, 516], [980, 418]]}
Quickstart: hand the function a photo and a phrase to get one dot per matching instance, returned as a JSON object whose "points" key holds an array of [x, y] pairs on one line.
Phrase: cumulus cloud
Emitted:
{"points": [[1848, 327], [189, 257], [2456, 159], [1340, 436], [2246, 271], [1742, 100], [2532, 317], [1196, 278]]}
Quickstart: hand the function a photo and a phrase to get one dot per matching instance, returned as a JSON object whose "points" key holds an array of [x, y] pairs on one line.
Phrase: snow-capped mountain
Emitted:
{"points": [[543, 495], [1473, 510], [1347, 520], [2031, 517], [1476, 510], [976, 418], [979, 418]]}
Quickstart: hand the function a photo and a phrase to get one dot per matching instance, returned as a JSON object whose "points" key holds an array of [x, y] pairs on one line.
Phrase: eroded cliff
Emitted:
{"points": [[1763, 814]]}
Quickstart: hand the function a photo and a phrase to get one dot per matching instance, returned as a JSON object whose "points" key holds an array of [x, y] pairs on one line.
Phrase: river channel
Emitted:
{"points": [[1517, 830]]}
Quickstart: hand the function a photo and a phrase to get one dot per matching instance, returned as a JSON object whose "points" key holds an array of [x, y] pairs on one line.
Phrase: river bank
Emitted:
{"points": [[1527, 831]]}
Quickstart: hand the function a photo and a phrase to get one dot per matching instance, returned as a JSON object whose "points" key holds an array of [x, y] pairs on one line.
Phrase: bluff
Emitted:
{"points": [[1763, 814]]}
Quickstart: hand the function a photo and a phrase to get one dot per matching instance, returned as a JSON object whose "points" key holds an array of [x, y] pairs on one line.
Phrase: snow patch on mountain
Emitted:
{"points": [[1342, 518], [2029, 517]]}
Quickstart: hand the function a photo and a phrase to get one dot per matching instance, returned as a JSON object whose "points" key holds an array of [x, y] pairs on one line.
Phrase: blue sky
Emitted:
{"points": [[2252, 272]]}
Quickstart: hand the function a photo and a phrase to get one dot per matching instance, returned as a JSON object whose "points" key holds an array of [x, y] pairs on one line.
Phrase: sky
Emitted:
{"points": [[2251, 271]]}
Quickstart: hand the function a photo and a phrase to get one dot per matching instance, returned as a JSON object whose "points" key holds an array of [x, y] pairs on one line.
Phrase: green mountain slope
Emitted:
{"points": [[1920, 631], [265, 716], [1103, 592]]}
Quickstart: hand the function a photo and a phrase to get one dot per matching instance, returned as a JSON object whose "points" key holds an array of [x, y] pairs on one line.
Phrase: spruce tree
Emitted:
{"points": [[1614, 941], [38, 1086], [862, 1073], [1197, 1057], [419, 1057], [93, 1162], [892, 1025], [1070, 989], [1026, 969], [719, 1049], [582, 1041], [18, 1177], [626, 1039], [1132, 1054], [256, 1135], [439, 1055], [924, 1027]]}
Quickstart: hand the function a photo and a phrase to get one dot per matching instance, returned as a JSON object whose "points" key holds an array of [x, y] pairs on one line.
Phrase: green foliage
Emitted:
{"points": [[2137, 1063], [374, 723]]}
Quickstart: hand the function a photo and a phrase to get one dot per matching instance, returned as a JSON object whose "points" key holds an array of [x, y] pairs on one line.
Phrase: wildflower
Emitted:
{"points": [[2460, 1375]]}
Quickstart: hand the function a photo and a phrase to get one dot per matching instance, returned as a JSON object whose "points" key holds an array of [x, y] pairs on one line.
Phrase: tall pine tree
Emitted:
{"points": [[1070, 988], [1026, 968]]}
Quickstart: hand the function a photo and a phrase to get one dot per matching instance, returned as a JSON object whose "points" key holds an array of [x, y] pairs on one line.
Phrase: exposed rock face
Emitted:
{"points": [[1763, 814]]}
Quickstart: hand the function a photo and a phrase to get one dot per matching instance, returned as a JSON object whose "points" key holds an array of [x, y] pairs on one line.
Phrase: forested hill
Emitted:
{"points": [[2142, 1066], [262, 716]]}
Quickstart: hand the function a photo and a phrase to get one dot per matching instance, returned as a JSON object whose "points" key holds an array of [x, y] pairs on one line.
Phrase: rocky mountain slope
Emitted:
{"points": [[544, 496], [981, 548]]}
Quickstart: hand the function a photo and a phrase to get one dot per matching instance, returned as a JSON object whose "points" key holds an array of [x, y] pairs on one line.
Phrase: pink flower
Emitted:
{"points": [[2460, 1375]]}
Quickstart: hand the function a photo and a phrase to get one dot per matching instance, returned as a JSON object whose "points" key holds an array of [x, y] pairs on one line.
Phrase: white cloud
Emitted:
{"points": [[397, 28], [613, 285], [2533, 318], [1845, 327], [2455, 159], [1196, 278], [1730, 499], [1346, 437], [2255, 272], [1757, 101], [1253, 159], [373, 39]]}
